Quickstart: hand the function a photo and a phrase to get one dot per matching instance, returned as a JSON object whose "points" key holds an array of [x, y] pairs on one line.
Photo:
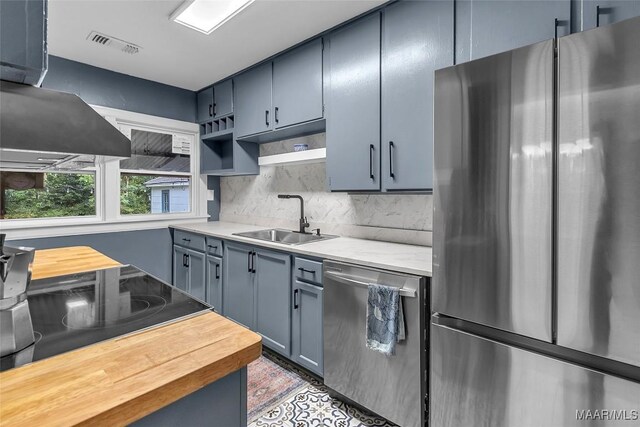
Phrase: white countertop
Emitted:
{"points": [[398, 257]]}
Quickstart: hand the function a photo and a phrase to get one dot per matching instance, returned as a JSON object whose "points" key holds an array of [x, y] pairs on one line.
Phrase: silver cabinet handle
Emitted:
{"points": [[409, 293]]}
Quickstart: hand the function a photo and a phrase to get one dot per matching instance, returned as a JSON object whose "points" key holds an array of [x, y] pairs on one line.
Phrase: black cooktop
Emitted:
{"points": [[69, 312]]}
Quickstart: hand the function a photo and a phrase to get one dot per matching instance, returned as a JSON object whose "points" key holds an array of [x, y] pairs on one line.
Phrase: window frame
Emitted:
{"points": [[107, 178]]}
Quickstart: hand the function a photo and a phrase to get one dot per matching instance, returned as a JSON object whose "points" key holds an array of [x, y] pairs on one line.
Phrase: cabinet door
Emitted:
{"points": [[253, 101], [205, 104], [273, 307], [599, 13], [353, 107], [307, 326], [214, 282], [417, 39], [486, 27], [237, 285], [180, 269], [223, 98], [197, 285], [297, 85]]}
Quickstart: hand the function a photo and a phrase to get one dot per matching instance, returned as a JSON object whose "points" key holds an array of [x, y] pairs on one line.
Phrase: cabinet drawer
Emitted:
{"points": [[189, 240], [214, 246], [310, 271]]}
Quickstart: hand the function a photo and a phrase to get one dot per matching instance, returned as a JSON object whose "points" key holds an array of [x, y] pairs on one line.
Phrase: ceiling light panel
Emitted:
{"points": [[206, 16]]}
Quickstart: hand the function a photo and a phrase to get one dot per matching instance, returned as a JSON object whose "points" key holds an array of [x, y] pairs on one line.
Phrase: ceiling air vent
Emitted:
{"points": [[113, 42]]}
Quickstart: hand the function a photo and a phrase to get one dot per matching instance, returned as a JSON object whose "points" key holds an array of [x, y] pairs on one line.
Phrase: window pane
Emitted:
{"points": [[147, 194], [45, 195], [153, 151]]}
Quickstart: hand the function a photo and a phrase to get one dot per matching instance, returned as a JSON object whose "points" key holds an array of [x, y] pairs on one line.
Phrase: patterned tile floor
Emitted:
{"points": [[267, 384], [311, 405]]}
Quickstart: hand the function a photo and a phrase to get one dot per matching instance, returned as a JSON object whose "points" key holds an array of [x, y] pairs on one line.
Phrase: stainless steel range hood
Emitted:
{"points": [[41, 120]]}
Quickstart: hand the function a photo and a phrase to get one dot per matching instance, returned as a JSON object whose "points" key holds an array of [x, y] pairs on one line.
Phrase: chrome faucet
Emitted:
{"points": [[303, 219]]}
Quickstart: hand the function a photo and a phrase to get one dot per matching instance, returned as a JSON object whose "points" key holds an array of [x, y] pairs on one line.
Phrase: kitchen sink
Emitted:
{"points": [[284, 236]]}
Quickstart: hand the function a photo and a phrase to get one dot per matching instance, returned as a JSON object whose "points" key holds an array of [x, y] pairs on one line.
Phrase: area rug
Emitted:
{"points": [[267, 384], [312, 406]]}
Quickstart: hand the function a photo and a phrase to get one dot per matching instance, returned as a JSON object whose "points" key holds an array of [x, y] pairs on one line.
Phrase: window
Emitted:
{"points": [[165, 201], [53, 194], [35, 186], [157, 177]]}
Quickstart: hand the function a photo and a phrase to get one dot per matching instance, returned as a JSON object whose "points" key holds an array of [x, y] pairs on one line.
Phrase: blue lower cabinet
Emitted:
{"points": [[214, 282], [180, 269], [196, 283], [189, 271], [307, 326], [253, 286], [256, 293], [238, 290], [273, 306]]}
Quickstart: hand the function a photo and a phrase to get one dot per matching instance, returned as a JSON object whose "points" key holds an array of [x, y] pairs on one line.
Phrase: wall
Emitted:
{"points": [[405, 218], [107, 88], [150, 250]]}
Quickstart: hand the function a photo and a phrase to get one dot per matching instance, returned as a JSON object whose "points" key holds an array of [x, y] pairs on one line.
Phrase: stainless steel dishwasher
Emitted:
{"points": [[393, 387]]}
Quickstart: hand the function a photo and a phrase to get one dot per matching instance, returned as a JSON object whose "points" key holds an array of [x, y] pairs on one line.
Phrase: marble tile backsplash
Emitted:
{"points": [[403, 218]]}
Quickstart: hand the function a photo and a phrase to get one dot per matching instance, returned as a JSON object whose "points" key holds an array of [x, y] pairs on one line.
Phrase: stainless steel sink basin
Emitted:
{"points": [[284, 236]]}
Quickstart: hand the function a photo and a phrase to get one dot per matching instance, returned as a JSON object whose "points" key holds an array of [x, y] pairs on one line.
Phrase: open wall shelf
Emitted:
{"points": [[297, 157], [216, 126], [222, 135], [222, 155]]}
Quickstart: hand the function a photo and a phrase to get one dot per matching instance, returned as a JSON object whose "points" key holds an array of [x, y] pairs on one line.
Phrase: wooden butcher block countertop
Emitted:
{"points": [[69, 260], [124, 379]]}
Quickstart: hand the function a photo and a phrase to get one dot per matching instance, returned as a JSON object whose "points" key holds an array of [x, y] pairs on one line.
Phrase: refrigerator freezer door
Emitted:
{"points": [[493, 191], [599, 192], [479, 382]]}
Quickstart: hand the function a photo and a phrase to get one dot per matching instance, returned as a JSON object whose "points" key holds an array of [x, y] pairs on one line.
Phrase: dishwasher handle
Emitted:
{"points": [[347, 280]]}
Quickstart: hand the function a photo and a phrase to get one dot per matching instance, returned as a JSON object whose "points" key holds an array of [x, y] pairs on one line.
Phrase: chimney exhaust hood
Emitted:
{"points": [[41, 120]]}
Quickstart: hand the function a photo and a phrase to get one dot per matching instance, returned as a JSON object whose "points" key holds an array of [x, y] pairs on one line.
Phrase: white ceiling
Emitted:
{"points": [[178, 56]]}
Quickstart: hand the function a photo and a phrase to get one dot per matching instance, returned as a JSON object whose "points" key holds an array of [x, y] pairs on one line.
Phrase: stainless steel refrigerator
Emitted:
{"points": [[536, 282]]}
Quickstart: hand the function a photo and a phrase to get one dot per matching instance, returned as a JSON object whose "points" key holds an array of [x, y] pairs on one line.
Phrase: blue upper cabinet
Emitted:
{"points": [[353, 106], [598, 13], [417, 39], [253, 113], [223, 98], [23, 40], [297, 85], [205, 104], [281, 99], [487, 27]]}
